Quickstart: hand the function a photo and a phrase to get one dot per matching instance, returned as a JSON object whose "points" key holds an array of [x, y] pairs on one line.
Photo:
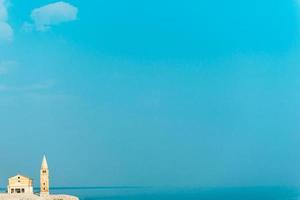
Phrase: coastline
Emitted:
{"points": [[5, 196]]}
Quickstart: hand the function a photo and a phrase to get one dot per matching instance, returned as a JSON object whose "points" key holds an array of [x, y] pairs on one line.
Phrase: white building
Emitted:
{"points": [[19, 185]]}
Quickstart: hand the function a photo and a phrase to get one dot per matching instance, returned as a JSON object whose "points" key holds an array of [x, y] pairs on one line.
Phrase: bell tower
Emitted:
{"points": [[44, 178]]}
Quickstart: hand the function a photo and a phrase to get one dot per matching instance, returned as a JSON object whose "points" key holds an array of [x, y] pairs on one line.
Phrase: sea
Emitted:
{"points": [[153, 193]]}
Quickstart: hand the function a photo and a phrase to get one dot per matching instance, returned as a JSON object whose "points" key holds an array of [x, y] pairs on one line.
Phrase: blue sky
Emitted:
{"points": [[151, 93]]}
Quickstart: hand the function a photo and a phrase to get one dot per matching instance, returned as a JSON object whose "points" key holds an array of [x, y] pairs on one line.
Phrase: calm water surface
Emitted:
{"points": [[258, 193]]}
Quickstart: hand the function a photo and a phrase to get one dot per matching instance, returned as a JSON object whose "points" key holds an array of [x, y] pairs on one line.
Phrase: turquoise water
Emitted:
{"points": [[125, 193]]}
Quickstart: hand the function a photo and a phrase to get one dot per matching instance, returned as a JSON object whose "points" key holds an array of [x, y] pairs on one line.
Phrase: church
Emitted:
{"points": [[20, 184], [20, 187]]}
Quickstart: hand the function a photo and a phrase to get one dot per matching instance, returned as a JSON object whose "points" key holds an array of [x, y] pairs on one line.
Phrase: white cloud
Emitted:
{"points": [[6, 32], [53, 14], [3, 88], [27, 27], [42, 86], [3, 11]]}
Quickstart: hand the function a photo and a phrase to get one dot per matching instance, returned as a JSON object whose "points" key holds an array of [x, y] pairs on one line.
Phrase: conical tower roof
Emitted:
{"points": [[44, 163]]}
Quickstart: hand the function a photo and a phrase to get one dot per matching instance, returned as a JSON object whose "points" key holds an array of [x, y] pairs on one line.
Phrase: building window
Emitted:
{"points": [[23, 190], [12, 190], [18, 190]]}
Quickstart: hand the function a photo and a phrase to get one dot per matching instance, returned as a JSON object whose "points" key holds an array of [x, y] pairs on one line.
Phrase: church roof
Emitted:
{"points": [[44, 163], [19, 175]]}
